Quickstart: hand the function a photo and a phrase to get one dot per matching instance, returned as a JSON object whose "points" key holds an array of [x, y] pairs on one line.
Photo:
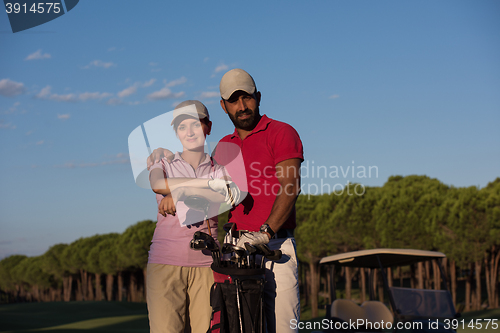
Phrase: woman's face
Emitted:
{"points": [[192, 133]]}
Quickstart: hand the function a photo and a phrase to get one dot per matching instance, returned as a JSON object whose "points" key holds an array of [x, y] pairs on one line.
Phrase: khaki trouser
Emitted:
{"points": [[177, 297]]}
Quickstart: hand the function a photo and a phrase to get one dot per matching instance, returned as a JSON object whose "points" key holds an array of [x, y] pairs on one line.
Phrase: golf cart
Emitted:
{"points": [[411, 309]]}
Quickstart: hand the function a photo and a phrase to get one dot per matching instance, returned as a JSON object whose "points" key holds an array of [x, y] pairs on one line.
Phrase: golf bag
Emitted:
{"points": [[237, 305], [236, 296]]}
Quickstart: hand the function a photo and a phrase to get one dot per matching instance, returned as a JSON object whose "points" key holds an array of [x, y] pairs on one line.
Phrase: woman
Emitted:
{"points": [[178, 278]]}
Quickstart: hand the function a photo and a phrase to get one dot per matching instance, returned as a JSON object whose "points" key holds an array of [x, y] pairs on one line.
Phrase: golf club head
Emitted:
{"points": [[276, 255], [264, 249], [251, 249], [239, 251], [211, 245], [227, 248], [202, 235], [197, 244], [268, 253], [197, 202], [229, 227]]}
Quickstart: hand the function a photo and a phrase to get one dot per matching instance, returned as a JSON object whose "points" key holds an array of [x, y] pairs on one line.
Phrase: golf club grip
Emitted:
{"points": [[275, 255]]}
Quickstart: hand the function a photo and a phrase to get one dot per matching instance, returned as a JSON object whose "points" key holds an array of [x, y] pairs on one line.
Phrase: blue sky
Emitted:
{"points": [[406, 87]]}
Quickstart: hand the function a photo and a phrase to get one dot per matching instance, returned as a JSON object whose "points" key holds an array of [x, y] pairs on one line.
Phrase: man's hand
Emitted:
{"points": [[158, 154], [167, 206], [227, 188], [253, 238]]}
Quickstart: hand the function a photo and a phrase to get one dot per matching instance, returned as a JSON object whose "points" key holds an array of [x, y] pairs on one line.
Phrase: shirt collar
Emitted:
{"points": [[178, 157], [262, 125]]}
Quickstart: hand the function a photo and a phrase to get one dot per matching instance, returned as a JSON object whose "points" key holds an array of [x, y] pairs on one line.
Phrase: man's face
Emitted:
{"points": [[243, 109]]}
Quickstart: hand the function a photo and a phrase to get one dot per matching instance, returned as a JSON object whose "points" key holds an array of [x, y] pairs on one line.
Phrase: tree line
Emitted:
{"points": [[413, 212], [101, 267], [406, 212]]}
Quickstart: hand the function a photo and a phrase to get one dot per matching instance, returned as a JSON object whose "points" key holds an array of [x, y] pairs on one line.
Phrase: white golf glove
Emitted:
{"points": [[253, 238], [227, 188]]}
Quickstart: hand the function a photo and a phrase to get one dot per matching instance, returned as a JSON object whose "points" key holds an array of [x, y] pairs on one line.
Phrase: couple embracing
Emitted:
{"points": [[262, 197]]}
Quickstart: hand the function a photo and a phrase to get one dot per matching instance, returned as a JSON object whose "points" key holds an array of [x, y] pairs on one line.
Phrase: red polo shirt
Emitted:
{"points": [[269, 143]]}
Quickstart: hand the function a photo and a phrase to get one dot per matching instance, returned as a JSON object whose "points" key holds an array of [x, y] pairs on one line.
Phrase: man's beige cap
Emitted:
{"points": [[186, 108], [234, 80]]}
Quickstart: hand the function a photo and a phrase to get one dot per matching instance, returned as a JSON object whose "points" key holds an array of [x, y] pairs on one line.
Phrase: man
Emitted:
{"points": [[272, 153]]}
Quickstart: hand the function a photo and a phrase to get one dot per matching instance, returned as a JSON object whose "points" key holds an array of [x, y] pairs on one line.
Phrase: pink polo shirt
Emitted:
{"points": [[269, 143], [170, 244]]}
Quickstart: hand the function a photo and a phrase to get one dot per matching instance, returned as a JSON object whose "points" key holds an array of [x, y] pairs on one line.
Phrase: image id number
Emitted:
{"points": [[473, 324], [36, 8]]}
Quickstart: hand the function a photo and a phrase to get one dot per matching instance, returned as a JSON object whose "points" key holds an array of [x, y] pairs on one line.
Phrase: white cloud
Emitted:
{"points": [[177, 82], [209, 94], [46, 93], [153, 64], [63, 116], [149, 83], [11, 88], [164, 93], [133, 88], [39, 143], [38, 55], [13, 109], [4, 125], [93, 95], [63, 98], [220, 68], [334, 96], [114, 101], [100, 63], [67, 165], [128, 91]]}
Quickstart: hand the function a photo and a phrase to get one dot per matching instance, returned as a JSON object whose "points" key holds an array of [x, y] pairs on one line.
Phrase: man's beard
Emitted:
{"points": [[246, 124]]}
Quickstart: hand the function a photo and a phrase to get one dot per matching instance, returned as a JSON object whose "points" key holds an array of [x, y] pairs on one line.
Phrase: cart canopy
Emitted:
{"points": [[388, 258]]}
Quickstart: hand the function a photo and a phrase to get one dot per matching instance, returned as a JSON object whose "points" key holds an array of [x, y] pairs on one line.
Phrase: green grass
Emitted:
{"points": [[124, 317], [306, 313], [62, 317]]}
